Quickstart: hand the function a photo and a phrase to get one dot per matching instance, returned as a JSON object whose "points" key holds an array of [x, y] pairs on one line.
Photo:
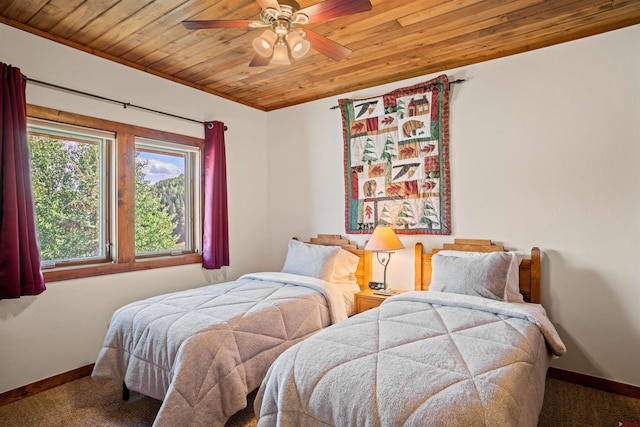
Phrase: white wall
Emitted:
{"points": [[63, 328], [545, 151]]}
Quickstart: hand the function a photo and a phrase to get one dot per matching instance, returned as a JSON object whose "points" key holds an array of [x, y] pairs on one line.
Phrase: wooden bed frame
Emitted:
{"points": [[363, 273], [529, 268]]}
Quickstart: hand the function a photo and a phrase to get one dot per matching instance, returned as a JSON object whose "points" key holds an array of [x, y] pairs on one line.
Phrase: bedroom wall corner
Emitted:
{"points": [[63, 328]]}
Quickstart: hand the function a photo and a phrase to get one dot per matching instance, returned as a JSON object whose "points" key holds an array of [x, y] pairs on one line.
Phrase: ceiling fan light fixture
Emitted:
{"points": [[299, 45], [280, 54], [282, 41], [264, 45]]}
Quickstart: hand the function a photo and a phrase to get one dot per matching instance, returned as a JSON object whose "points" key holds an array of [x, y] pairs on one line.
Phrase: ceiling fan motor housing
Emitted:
{"points": [[286, 17]]}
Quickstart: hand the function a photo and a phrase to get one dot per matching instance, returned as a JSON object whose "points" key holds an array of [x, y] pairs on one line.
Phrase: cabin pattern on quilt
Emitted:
{"points": [[397, 160]]}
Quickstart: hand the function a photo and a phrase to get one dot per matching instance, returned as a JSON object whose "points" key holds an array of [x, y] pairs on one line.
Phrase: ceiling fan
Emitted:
{"points": [[282, 39]]}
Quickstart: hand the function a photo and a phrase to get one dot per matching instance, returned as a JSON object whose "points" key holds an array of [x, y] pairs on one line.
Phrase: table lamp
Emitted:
{"points": [[384, 241]]}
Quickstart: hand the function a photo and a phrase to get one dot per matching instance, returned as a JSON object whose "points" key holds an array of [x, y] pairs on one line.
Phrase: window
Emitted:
{"points": [[71, 193], [111, 197], [165, 202]]}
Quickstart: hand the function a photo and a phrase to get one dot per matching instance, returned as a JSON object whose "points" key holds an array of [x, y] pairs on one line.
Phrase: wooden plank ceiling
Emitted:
{"points": [[395, 40]]}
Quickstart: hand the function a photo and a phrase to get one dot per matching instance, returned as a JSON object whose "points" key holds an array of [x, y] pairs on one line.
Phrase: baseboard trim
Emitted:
{"points": [[555, 373], [594, 382], [46, 384]]}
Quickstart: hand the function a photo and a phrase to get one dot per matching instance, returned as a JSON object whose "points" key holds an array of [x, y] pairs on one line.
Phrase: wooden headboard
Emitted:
{"points": [[363, 273], [529, 268]]}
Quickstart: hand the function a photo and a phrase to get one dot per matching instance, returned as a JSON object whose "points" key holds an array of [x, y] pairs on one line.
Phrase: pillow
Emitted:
{"points": [[310, 260], [512, 293], [513, 280], [345, 267], [482, 275]]}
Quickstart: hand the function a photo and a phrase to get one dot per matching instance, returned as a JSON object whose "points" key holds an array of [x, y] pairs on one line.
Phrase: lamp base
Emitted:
{"points": [[386, 292]]}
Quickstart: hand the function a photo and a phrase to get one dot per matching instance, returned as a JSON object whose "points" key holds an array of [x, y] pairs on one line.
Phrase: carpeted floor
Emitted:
{"points": [[571, 405], [89, 402]]}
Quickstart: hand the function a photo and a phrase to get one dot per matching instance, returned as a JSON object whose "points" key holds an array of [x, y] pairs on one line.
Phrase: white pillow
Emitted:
{"points": [[310, 260], [513, 279], [484, 276], [345, 267], [512, 291]]}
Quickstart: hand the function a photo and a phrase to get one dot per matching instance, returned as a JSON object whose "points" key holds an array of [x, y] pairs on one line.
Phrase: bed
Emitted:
{"points": [[439, 355], [201, 351]]}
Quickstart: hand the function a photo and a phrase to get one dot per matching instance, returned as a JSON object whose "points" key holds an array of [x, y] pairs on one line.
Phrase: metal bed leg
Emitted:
{"points": [[125, 391]]}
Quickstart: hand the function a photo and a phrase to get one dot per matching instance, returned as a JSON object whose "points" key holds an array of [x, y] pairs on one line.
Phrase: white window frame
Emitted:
{"points": [[105, 141], [193, 207]]}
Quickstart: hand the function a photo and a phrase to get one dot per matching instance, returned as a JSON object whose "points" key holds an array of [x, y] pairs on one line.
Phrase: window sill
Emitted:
{"points": [[81, 271]]}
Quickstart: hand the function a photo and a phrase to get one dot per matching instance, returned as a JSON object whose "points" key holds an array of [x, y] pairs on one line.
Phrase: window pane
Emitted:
{"points": [[162, 210], [69, 195]]}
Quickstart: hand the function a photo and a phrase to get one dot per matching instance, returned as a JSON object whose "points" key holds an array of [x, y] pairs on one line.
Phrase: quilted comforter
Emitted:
{"points": [[420, 359], [203, 350]]}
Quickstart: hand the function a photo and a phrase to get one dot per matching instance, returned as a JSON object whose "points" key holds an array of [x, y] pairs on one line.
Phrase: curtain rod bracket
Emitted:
{"points": [[210, 126]]}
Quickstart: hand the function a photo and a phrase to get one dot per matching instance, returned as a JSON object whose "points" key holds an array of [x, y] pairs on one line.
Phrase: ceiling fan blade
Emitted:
{"points": [[259, 61], [334, 8], [273, 4], [326, 46], [199, 25]]}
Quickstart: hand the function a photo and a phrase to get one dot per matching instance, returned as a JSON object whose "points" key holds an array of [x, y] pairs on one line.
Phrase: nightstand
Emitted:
{"points": [[366, 300]]}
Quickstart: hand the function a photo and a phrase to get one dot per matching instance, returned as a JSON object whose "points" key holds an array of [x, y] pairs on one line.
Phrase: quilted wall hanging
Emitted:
{"points": [[397, 160]]}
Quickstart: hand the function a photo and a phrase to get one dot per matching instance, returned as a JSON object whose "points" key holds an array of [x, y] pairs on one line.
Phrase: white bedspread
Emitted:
{"points": [[420, 359], [203, 350]]}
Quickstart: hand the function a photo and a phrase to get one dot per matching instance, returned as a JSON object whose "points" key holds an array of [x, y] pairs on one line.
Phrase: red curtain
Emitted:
{"points": [[215, 239], [19, 253]]}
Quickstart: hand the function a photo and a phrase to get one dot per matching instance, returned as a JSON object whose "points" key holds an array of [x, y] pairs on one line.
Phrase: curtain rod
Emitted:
{"points": [[335, 107], [103, 98]]}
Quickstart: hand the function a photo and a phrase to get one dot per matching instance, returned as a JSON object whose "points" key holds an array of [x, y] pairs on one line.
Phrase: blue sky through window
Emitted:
{"points": [[161, 166]]}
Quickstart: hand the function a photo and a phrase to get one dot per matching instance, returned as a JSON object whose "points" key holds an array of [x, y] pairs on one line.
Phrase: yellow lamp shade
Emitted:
{"points": [[383, 239]]}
